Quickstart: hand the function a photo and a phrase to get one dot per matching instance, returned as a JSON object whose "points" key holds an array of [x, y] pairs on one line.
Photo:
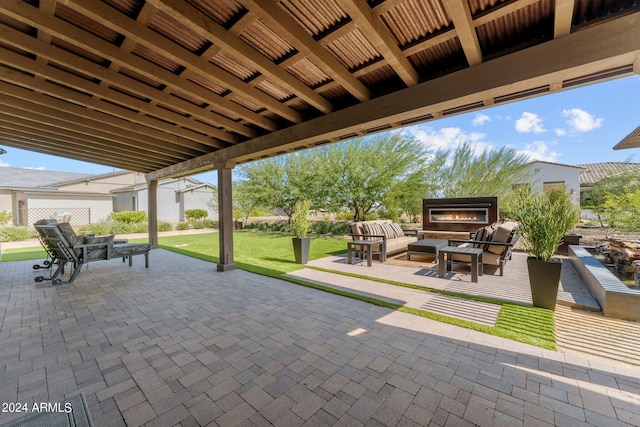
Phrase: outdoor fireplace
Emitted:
{"points": [[459, 214]]}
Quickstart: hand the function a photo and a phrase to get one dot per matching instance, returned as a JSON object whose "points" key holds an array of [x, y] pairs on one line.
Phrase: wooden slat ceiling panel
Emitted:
{"points": [[353, 49], [414, 20], [315, 16], [175, 84], [520, 28]]}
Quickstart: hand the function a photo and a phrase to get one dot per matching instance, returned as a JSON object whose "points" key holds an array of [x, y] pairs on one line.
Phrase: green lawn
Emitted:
{"points": [[271, 254]]}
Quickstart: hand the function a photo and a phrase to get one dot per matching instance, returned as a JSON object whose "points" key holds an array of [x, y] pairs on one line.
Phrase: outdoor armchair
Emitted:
{"points": [[496, 241]]}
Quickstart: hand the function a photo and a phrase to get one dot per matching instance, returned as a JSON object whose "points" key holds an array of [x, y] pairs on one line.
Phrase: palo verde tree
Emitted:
{"points": [[361, 175], [462, 172], [615, 199], [278, 182]]}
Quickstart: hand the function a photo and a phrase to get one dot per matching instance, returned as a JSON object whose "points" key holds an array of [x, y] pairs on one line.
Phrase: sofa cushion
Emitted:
{"points": [[372, 228], [399, 231]]}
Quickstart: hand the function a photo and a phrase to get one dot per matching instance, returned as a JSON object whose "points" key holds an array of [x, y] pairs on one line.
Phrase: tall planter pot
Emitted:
{"points": [[544, 279], [301, 249]]}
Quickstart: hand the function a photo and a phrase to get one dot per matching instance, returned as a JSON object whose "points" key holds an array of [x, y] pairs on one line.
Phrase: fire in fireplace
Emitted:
{"points": [[459, 214]]}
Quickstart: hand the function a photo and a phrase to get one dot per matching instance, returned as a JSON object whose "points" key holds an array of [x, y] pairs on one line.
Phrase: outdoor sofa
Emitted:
{"points": [[391, 234]]}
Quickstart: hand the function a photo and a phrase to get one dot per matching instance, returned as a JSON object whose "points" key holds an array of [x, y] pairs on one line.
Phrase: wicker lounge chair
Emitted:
{"points": [[67, 247]]}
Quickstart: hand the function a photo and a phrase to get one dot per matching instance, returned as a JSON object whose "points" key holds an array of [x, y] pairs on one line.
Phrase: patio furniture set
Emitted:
{"points": [[490, 245]]}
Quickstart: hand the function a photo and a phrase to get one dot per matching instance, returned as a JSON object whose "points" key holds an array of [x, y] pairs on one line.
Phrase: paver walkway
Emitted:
{"points": [[180, 343]]}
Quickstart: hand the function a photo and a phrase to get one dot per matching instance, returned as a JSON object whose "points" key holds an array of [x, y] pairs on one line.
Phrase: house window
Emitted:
{"points": [[134, 203], [554, 185]]}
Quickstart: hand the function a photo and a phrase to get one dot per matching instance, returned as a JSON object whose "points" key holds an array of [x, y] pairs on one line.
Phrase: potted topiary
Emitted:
{"points": [[300, 225], [544, 219]]}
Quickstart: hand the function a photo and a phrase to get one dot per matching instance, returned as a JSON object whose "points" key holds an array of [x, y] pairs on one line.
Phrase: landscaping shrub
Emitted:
{"points": [[15, 234], [99, 228], [182, 226], [5, 217], [195, 214], [129, 217], [344, 216], [198, 225], [321, 227], [340, 228], [209, 223], [164, 226]]}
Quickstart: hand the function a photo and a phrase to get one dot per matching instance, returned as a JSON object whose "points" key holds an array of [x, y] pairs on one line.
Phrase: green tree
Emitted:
{"points": [[245, 203], [466, 173], [610, 196], [364, 174], [278, 182]]}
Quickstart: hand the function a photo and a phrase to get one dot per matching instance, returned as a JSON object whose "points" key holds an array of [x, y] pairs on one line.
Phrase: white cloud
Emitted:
{"points": [[539, 150], [4, 165], [447, 138], [39, 168], [481, 119], [529, 122], [561, 132], [580, 120]]}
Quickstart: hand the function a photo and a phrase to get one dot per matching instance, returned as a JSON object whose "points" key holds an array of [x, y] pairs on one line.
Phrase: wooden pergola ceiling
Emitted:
{"points": [[173, 87]]}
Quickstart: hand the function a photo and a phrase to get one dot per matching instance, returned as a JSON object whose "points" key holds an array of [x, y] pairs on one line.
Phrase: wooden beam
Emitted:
{"points": [[95, 125], [119, 22], [288, 29], [18, 97], [59, 56], [73, 81], [563, 17], [207, 28], [606, 46], [378, 34], [43, 142], [462, 21], [82, 133], [179, 135]]}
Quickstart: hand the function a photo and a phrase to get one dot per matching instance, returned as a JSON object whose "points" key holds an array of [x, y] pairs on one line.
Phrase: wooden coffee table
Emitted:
{"points": [[476, 259]]}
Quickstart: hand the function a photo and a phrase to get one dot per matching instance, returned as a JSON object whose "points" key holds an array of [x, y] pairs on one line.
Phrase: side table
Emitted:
{"points": [[366, 246], [476, 259]]}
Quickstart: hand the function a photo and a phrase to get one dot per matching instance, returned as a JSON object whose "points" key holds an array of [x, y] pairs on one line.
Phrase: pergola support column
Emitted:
{"points": [[152, 210], [225, 216]]}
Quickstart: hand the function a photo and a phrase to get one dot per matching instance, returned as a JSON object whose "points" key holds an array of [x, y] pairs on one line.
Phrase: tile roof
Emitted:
{"points": [[35, 178], [595, 172]]}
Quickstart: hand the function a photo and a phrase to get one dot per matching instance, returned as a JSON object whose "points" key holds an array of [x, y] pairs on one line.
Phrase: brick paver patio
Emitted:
{"points": [[180, 344]]}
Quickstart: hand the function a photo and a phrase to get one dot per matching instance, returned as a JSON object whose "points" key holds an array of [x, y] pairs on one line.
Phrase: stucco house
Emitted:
{"points": [[545, 176], [31, 194]]}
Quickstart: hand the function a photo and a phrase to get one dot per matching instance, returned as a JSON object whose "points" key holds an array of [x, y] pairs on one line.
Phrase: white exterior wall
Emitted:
{"points": [[105, 184], [6, 203], [172, 203], [98, 207], [200, 199], [542, 172]]}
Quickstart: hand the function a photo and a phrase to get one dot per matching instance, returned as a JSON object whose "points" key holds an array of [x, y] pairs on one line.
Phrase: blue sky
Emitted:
{"points": [[572, 127]]}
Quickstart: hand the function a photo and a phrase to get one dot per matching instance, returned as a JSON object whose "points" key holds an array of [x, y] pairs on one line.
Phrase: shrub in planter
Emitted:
{"points": [[300, 226], [182, 226], [544, 220]]}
